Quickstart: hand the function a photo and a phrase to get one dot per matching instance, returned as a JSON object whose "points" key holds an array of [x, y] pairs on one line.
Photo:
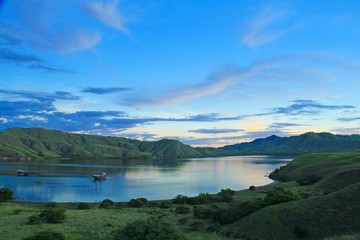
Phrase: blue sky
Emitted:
{"points": [[207, 73]]}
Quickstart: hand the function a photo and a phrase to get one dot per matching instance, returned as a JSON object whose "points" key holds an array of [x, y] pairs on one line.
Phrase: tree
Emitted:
{"points": [[149, 229], [6, 195]]}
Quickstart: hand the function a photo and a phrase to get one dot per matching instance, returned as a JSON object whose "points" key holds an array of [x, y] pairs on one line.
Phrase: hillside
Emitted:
{"points": [[302, 144], [330, 186], [43, 143]]}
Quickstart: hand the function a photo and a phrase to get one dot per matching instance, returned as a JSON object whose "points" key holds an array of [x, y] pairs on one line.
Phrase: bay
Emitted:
{"points": [[66, 180]]}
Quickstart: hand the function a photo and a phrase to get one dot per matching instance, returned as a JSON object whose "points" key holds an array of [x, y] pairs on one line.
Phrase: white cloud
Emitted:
{"points": [[66, 42], [300, 69], [107, 13], [261, 30]]}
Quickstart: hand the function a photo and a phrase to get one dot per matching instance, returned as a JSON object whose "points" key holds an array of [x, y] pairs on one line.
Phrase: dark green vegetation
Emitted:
{"points": [[6, 195], [315, 197], [42, 143], [150, 229], [303, 144]]}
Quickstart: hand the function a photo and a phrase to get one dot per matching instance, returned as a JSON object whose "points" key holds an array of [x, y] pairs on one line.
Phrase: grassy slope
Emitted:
{"points": [[302, 144], [39, 142], [320, 216]]}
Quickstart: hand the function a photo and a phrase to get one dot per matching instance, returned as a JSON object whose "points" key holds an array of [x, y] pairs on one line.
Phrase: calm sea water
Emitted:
{"points": [[67, 181]]}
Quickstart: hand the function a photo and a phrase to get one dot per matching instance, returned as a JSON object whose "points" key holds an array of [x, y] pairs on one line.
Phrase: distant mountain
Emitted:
{"points": [[43, 143], [305, 143]]}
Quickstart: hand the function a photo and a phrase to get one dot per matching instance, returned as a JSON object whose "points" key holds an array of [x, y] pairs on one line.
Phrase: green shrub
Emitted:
{"points": [[180, 199], [51, 204], [53, 215], [183, 209], [183, 221], [17, 211], [34, 219], [82, 206], [233, 214], [203, 212], [47, 235], [279, 195], [195, 225], [154, 228], [106, 203], [165, 204], [252, 188], [227, 191], [300, 232], [227, 197], [6, 195], [138, 202]]}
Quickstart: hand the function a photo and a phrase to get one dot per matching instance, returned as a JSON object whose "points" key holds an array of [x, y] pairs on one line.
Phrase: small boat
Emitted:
{"points": [[22, 173], [99, 177]]}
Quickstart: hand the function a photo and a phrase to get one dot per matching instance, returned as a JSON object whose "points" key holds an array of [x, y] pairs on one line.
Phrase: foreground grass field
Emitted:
{"points": [[317, 198]]}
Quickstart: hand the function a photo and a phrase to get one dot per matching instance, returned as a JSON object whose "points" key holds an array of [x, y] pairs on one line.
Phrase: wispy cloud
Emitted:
{"points": [[10, 56], [49, 69], [108, 13], [66, 41], [38, 96], [31, 109], [214, 83], [215, 130], [279, 71], [283, 125], [346, 131], [59, 33], [305, 107], [262, 28], [349, 119], [7, 39], [101, 91]]}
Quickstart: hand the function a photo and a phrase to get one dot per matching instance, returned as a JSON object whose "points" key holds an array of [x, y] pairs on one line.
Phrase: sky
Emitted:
{"points": [[208, 73]]}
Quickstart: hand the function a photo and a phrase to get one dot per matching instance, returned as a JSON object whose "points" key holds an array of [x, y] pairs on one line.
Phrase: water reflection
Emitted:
{"points": [[65, 180]]}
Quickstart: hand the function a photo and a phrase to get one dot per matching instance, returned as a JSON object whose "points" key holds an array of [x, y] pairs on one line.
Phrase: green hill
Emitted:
{"points": [[302, 144], [43, 143], [330, 186]]}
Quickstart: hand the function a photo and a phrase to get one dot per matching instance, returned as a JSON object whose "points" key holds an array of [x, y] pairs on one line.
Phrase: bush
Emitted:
{"points": [[227, 191], [183, 209], [34, 219], [138, 202], [106, 203], [6, 195], [47, 235], [17, 211], [252, 188], [180, 199], [232, 214], [300, 232], [51, 204], [279, 195], [150, 229], [166, 204], [227, 197], [83, 206], [203, 212], [195, 225], [53, 215]]}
